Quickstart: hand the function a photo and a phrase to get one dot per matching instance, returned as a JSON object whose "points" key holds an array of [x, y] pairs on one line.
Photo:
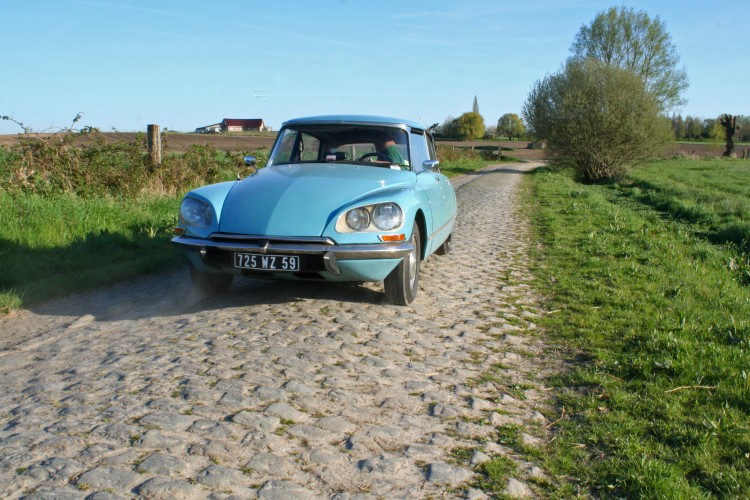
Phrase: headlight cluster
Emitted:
{"points": [[380, 217], [194, 212]]}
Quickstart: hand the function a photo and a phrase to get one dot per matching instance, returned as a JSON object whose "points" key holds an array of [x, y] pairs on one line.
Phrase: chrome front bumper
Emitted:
{"points": [[326, 247]]}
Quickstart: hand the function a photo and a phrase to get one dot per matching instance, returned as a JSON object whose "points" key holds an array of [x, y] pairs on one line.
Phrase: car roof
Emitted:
{"points": [[355, 120]]}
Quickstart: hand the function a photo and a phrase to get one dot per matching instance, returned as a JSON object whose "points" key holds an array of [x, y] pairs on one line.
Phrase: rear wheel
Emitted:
{"points": [[446, 247], [210, 284], [402, 284]]}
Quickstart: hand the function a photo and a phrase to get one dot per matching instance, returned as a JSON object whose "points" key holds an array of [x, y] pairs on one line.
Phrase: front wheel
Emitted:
{"points": [[402, 284], [210, 284]]}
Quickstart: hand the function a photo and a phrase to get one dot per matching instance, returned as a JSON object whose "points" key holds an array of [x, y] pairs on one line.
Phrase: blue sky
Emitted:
{"points": [[185, 64]]}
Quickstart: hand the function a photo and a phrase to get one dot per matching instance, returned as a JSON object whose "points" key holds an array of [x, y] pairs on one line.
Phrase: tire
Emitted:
{"points": [[446, 247], [402, 284], [210, 284]]}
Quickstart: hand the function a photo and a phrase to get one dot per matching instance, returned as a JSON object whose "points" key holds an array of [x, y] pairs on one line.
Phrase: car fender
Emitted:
{"points": [[214, 195], [412, 201]]}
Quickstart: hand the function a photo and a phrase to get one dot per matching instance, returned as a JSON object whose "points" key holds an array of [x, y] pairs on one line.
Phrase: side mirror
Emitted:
{"points": [[430, 165], [250, 161]]}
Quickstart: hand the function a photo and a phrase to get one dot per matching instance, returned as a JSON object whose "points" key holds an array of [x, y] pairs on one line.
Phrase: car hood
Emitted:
{"points": [[301, 199]]}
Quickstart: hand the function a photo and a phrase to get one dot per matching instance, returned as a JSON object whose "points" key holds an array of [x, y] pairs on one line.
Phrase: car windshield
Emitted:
{"points": [[373, 145]]}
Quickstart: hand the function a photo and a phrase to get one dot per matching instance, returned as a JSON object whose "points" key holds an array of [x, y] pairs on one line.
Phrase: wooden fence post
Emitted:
{"points": [[154, 144]]}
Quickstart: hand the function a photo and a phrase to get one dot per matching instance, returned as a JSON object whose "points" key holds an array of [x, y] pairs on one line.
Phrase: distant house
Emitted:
{"points": [[209, 129], [235, 125], [243, 125]]}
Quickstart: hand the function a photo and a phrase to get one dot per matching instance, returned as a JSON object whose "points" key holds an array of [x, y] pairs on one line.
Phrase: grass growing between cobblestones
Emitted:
{"points": [[646, 282]]}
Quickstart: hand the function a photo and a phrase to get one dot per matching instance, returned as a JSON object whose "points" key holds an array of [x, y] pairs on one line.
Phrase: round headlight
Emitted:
{"points": [[387, 216], [358, 219], [194, 212]]}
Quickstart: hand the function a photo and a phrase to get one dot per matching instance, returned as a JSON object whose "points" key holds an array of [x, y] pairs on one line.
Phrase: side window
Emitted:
{"points": [[283, 152], [296, 146], [433, 151], [419, 150]]}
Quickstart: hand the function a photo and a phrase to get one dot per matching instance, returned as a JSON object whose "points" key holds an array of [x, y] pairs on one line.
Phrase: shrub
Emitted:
{"points": [[600, 119], [54, 164], [84, 164], [446, 153]]}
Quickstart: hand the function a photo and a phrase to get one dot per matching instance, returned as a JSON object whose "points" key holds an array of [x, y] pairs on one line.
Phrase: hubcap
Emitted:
{"points": [[413, 264]]}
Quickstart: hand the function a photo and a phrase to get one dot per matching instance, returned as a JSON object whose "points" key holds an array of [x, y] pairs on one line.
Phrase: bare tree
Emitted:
{"points": [[729, 124]]}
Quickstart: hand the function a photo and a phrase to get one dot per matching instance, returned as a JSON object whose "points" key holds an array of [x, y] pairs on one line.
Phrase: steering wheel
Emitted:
{"points": [[367, 155]]}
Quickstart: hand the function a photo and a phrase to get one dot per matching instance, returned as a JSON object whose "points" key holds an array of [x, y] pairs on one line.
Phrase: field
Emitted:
{"points": [[648, 287], [179, 143]]}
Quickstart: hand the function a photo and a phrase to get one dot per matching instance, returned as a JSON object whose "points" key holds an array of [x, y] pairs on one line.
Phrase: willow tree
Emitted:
{"points": [[600, 119], [470, 126], [510, 125], [729, 127], [631, 40]]}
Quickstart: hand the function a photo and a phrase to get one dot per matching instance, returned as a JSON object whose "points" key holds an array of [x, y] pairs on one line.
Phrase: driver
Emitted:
{"points": [[387, 150]]}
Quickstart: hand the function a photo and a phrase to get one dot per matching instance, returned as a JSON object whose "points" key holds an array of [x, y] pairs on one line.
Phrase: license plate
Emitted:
{"points": [[266, 262]]}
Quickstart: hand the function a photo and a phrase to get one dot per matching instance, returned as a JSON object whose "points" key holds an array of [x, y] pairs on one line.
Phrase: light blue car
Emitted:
{"points": [[342, 198]]}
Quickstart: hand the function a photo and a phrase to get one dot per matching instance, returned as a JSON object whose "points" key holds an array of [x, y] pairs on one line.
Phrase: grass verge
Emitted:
{"points": [[57, 244], [465, 166], [650, 296]]}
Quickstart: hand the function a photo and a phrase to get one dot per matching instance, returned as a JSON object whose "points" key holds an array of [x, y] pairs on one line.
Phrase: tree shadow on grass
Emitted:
{"points": [[114, 277], [38, 274]]}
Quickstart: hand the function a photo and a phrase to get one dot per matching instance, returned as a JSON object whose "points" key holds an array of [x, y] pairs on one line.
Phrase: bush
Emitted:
{"points": [[84, 164], [600, 119], [446, 153]]}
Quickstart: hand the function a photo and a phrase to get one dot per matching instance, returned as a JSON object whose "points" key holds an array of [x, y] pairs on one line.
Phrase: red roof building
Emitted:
{"points": [[235, 125], [242, 124]]}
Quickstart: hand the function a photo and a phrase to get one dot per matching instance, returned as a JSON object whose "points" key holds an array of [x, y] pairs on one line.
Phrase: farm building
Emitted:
{"points": [[234, 125], [209, 129]]}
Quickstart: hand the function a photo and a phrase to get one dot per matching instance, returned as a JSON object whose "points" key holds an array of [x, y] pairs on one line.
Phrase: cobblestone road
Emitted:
{"points": [[281, 389]]}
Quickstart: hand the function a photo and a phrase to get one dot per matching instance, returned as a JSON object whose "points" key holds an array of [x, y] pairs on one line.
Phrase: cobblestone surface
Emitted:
{"points": [[282, 389]]}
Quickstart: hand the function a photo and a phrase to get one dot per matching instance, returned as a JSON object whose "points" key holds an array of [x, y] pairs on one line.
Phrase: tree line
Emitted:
{"points": [[694, 127], [608, 106], [471, 126]]}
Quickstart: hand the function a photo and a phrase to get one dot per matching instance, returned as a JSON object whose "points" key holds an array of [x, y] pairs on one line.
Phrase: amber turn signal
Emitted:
{"points": [[393, 237], [178, 231]]}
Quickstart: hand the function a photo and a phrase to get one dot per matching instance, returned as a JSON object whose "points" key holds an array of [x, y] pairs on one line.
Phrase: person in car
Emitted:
{"points": [[388, 151]]}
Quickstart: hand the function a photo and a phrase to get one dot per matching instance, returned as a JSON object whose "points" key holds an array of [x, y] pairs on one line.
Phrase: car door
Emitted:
{"points": [[435, 184]]}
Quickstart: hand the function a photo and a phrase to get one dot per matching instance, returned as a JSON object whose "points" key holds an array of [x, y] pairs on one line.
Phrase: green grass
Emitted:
{"points": [[706, 192], [52, 245], [463, 160], [647, 294], [75, 217], [458, 167]]}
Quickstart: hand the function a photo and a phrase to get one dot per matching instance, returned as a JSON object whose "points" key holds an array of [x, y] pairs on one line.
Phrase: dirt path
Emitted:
{"points": [[281, 389]]}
